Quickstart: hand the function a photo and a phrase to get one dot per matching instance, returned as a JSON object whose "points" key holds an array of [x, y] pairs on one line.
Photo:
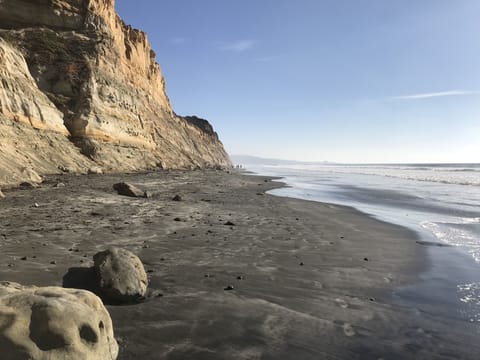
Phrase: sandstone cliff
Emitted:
{"points": [[79, 88]]}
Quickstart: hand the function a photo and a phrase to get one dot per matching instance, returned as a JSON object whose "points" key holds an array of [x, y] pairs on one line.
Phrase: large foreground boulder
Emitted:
{"points": [[53, 323], [121, 275]]}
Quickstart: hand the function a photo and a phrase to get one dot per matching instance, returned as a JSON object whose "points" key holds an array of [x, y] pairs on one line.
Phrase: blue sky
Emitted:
{"points": [[337, 80]]}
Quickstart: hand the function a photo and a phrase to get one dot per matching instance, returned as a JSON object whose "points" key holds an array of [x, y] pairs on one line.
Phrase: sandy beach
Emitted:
{"points": [[234, 273]]}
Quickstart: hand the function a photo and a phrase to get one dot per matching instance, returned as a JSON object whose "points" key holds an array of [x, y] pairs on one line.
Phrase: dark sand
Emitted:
{"points": [[311, 280]]}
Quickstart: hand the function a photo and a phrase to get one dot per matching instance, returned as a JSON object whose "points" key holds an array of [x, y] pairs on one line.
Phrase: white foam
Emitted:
{"points": [[454, 236], [470, 295]]}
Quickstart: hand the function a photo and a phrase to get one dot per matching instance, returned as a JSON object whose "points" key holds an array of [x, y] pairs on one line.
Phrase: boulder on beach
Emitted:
{"points": [[121, 276], [54, 323], [126, 189]]}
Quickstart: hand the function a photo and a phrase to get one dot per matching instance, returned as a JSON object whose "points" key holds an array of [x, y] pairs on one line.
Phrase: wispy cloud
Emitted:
{"points": [[435, 94], [239, 46]]}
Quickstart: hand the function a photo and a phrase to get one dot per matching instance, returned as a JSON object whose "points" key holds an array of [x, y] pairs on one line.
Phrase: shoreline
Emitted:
{"points": [[311, 280], [450, 274]]}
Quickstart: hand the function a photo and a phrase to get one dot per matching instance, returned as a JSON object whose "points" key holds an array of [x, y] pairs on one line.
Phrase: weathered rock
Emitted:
{"points": [[95, 170], [54, 323], [2, 195], [127, 189], [122, 277], [177, 198], [74, 69], [27, 185]]}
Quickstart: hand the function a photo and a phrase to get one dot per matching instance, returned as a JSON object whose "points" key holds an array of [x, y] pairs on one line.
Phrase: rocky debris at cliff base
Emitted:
{"points": [[27, 185], [95, 171], [130, 190], [54, 323], [122, 277]]}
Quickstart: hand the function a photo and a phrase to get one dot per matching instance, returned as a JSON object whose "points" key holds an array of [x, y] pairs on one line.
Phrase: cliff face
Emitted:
{"points": [[73, 68]]}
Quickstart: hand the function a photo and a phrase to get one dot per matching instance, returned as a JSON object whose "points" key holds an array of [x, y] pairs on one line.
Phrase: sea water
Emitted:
{"points": [[440, 202]]}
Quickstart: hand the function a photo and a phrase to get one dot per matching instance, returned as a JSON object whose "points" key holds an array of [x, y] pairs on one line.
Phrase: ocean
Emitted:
{"points": [[441, 203]]}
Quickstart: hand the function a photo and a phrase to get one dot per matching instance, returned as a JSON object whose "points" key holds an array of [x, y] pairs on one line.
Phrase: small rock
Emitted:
{"points": [[35, 205], [177, 198], [177, 219], [229, 223], [23, 258], [1, 194], [240, 277], [229, 288], [63, 169], [302, 263], [365, 259], [27, 185], [59, 185], [126, 189], [95, 170], [53, 262]]}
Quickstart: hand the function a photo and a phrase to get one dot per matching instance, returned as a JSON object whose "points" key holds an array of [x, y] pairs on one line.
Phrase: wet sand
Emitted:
{"points": [[310, 280]]}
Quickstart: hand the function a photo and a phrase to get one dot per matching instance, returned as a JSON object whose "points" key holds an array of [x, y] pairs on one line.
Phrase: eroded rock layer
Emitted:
{"points": [[74, 68]]}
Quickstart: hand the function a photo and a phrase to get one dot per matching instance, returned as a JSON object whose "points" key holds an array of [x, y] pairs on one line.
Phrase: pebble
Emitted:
{"points": [[177, 198], [229, 288], [229, 223]]}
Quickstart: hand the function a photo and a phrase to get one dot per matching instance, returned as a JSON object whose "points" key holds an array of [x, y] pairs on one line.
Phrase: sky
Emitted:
{"points": [[356, 81]]}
